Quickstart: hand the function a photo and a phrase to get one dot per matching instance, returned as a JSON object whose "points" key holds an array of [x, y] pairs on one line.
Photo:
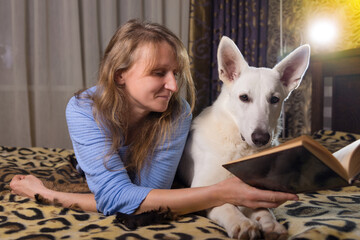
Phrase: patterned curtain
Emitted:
{"points": [[245, 22], [297, 106]]}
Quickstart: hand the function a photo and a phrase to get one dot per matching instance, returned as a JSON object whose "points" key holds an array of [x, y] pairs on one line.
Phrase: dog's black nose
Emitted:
{"points": [[260, 138]]}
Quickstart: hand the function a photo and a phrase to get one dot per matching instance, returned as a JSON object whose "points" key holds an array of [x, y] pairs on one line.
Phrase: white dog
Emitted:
{"points": [[243, 120]]}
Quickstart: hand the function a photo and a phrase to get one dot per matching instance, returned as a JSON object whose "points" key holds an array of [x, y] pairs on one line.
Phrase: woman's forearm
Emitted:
{"points": [[180, 201], [85, 201]]}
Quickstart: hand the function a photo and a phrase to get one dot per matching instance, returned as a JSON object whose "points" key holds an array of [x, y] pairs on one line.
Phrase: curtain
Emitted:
{"points": [[50, 49], [297, 107], [245, 22]]}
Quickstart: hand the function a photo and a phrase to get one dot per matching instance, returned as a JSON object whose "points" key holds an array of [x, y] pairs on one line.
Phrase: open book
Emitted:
{"points": [[299, 165]]}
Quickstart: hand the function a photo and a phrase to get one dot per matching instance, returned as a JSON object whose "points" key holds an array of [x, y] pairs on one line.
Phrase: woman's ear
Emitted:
{"points": [[119, 78]]}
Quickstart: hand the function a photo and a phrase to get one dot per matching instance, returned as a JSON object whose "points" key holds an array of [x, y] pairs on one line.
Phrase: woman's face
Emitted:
{"points": [[150, 82]]}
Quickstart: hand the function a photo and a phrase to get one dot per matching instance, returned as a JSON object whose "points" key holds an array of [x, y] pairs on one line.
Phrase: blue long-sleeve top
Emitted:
{"points": [[113, 189]]}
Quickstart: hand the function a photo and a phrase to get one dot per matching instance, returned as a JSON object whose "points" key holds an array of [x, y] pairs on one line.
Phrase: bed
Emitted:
{"points": [[331, 214]]}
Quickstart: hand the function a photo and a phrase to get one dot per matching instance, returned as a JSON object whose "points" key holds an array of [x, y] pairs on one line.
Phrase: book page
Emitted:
{"points": [[325, 155], [287, 145], [349, 157]]}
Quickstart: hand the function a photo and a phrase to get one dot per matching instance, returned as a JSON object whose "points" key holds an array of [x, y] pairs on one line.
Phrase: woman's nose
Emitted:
{"points": [[171, 83]]}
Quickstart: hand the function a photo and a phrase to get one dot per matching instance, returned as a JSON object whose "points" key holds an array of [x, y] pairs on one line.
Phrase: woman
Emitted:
{"points": [[129, 131]]}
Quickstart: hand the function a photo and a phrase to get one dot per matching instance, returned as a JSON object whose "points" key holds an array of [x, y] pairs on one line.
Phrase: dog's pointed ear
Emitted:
{"points": [[293, 67], [230, 60]]}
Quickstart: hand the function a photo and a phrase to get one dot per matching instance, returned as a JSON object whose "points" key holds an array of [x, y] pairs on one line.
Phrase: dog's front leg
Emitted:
{"points": [[236, 224], [271, 228]]}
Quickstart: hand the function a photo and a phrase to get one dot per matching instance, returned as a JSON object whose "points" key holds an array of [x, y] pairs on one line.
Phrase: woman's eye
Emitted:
{"points": [[159, 73], [274, 100], [244, 98]]}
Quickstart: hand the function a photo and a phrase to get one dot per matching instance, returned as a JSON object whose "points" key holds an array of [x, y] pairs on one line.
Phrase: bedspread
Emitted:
{"points": [[332, 214]]}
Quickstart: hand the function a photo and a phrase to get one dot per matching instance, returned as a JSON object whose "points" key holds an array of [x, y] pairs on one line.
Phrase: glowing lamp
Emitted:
{"points": [[323, 31]]}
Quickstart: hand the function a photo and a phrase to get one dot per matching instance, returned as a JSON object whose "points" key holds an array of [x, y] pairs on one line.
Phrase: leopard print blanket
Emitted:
{"points": [[328, 214]]}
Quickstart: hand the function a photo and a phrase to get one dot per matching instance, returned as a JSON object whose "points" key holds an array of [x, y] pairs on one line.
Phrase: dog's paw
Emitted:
{"points": [[273, 230], [245, 229]]}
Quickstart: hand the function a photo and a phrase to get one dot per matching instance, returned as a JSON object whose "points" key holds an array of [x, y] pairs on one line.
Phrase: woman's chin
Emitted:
{"points": [[160, 108]]}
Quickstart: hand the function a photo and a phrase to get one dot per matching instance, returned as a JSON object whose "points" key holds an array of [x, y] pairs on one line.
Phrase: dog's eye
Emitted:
{"points": [[274, 100], [244, 98]]}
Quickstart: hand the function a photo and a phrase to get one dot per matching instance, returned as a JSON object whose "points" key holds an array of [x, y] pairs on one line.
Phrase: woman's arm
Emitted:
{"points": [[180, 201]]}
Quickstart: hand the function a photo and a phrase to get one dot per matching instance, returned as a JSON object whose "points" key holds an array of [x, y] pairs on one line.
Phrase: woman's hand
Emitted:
{"points": [[27, 186], [238, 193]]}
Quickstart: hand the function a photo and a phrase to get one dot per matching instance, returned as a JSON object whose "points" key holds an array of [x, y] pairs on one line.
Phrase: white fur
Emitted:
{"points": [[217, 134]]}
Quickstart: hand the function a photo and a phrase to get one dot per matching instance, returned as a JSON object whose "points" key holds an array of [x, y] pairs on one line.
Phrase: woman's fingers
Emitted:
{"points": [[26, 185], [272, 199], [272, 196], [246, 195], [18, 177]]}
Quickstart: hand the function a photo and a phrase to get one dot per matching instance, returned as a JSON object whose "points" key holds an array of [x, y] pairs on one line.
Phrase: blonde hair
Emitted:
{"points": [[110, 105]]}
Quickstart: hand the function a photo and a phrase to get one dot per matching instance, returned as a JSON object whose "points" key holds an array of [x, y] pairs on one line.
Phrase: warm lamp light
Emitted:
{"points": [[323, 31]]}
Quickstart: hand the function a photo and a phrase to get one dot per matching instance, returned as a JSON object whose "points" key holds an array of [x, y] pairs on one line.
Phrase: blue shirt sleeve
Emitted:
{"points": [[106, 177]]}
